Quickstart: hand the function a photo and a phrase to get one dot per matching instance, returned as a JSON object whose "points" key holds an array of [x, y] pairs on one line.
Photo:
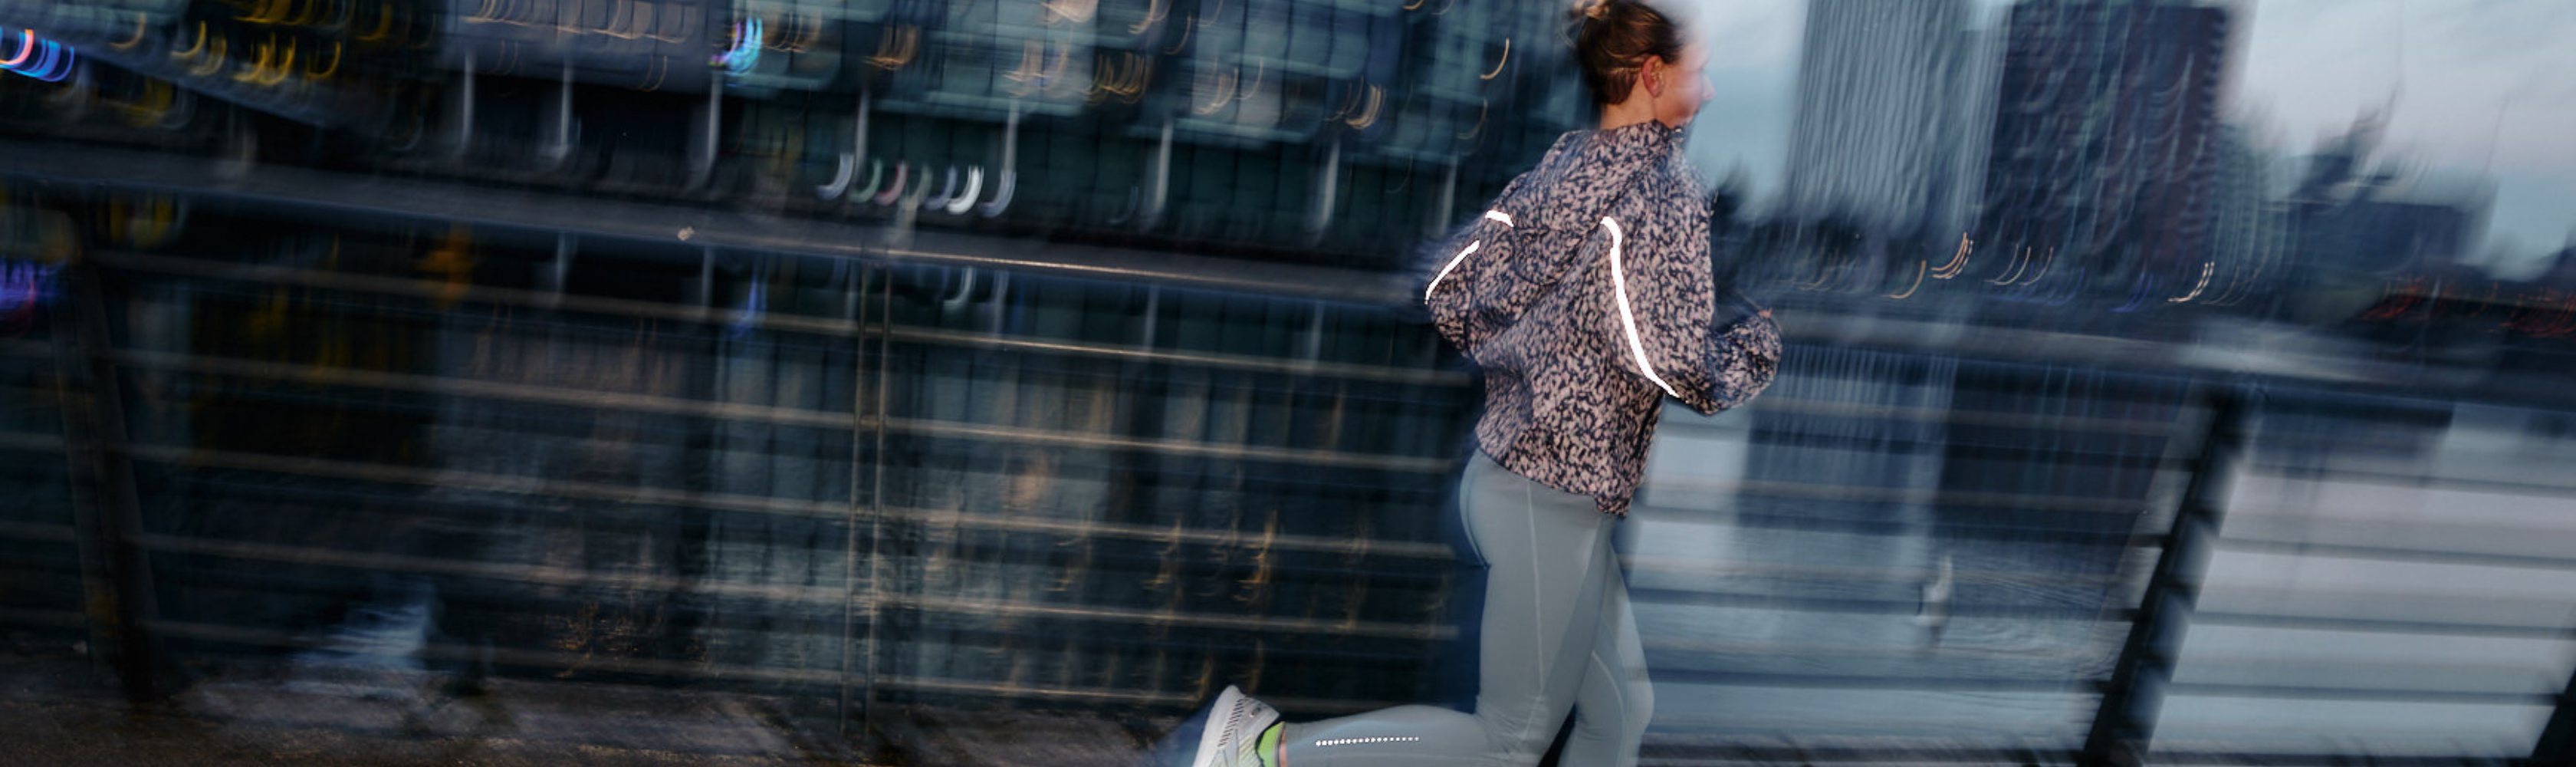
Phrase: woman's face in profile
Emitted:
{"points": [[1686, 87]]}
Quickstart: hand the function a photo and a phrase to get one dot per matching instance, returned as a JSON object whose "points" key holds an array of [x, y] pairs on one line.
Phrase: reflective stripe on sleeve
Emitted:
{"points": [[1627, 316], [1453, 264]]}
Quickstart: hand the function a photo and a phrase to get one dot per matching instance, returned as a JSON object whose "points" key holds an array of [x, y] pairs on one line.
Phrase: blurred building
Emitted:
{"points": [[1891, 120], [2358, 215], [1305, 130], [2562, 269], [2249, 232], [2106, 137], [2423, 221]]}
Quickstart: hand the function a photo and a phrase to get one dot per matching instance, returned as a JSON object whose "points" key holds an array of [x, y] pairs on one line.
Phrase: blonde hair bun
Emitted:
{"points": [[1595, 10]]}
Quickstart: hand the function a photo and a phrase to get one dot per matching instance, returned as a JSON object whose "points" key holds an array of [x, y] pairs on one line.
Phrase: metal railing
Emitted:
{"points": [[900, 486]]}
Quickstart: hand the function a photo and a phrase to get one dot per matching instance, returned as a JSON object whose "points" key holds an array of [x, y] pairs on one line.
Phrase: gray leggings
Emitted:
{"points": [[1556, 633]]}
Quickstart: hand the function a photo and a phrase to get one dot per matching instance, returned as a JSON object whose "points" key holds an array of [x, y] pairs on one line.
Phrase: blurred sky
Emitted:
{"points": [[2307, 67]]}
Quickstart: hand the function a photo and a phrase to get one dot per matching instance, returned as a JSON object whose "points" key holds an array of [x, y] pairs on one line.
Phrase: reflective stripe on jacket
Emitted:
{"points": [[1585, 295]]}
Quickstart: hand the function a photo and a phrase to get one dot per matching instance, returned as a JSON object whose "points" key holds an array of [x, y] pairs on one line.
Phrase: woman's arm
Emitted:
{"points": [[1469, 272], [1482, 247], [1705, 345]]}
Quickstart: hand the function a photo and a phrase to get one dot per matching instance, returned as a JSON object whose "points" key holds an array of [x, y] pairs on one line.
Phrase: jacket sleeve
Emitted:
{"points": [[1707, 346], [1471, 273], [1461, 274]]}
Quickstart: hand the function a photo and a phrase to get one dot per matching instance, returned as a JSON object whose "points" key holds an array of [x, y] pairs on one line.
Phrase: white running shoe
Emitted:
{"points": [[1233, 734]]}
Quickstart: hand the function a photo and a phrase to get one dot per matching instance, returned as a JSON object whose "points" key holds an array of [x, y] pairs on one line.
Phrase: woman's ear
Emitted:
{"points": [[1650, 73]]}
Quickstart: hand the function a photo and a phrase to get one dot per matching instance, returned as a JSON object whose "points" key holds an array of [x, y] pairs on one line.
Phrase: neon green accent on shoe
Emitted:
{"points": [[1269, 747]]}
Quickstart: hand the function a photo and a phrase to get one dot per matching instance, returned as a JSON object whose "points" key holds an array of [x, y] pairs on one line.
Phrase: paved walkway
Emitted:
{"points": [[53, 713]]}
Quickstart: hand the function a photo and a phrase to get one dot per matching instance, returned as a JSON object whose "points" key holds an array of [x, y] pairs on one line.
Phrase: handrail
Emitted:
{"points": [[30, 442], [29, 531], [2085, 504], [26, 617], [710, 671], [827, 510], [466, 387], [2415, 480], [777, 321], [556, 576], [2394, 553]]}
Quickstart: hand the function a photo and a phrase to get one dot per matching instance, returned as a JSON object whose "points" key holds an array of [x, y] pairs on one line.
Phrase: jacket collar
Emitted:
{"points": [[1644, 141]]}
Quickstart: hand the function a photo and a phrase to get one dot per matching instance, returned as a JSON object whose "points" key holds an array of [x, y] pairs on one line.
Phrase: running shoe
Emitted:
{"points": [[1232, 736]]}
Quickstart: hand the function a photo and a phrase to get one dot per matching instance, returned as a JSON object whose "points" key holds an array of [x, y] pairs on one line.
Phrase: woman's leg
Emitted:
{"points": [[1615, 701], [1543, 584]]}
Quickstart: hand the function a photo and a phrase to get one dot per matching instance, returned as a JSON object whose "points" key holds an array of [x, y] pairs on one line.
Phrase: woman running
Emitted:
{"points": [[1585, 296]]}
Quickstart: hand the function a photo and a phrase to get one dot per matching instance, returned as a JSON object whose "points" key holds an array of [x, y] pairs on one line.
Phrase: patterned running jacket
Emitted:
{"points": [[1585, 295]]}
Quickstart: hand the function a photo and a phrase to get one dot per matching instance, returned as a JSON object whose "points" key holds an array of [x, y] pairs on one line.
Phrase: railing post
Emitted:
{"points": [[117, 572], [2126, 724], [2557, 747], [867, 435]]}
